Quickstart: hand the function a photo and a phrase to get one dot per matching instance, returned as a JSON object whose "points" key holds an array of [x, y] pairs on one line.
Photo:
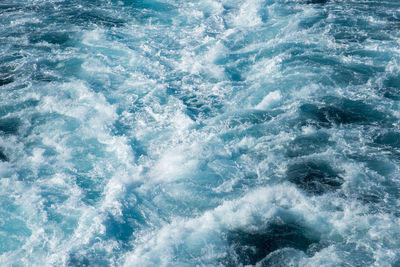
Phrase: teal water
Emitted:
{"points": [[199, 133]]}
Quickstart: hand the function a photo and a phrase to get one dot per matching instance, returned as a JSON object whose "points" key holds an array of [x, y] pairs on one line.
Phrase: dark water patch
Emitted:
{"points": [[378, 194], [299, 52], [155, 11], [70, 68], [91, 188], [234, 74], [196, 108], [313, 115], [27, 104], [94, 16], [309, 2], [377, 56], [382, 167], [197, 105], [3, 156], [317, 1], [121, 228], [6, 80], [392, 81], [371, 196], [92, 257], [250, 247], [76, 259], [7, 73], [59, 38], [154, 5], [388, 140], [388, 143], [348, 35], [361, 72], [348, 27], [342, 74], [7, 60], [391, 88], [26, 175], [390, 93], [9, 7], [310, 22], [308, 144], [118, 229], [6, 109], [120, 128], [377, 201], [9, 125], [315, 177], [138, 148], [340, 112]]}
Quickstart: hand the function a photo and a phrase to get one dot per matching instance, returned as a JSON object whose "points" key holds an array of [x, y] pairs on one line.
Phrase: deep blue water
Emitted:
{"points": [[199, 133]]}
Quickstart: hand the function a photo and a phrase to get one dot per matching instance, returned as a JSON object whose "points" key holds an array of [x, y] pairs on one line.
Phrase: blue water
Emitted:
{"points": [[199, 133]]}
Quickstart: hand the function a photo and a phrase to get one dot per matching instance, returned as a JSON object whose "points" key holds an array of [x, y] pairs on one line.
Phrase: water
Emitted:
{"points": [[208, 133]]}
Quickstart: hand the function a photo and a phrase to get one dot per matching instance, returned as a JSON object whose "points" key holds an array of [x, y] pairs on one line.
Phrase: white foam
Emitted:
{"points": [[173, 165], [270, 100], [256, 206], [196, 64], [95, 37], [248, 15]]}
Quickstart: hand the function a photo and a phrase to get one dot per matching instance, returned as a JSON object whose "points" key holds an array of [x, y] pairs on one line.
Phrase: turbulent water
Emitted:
{"points": [[200, 133]]}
